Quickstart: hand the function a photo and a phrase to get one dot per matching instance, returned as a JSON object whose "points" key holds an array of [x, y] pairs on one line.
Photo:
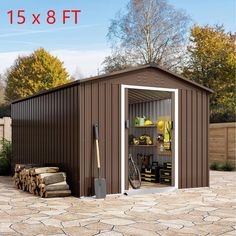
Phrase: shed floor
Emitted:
{"points": [[152, 185], [145, 185]]}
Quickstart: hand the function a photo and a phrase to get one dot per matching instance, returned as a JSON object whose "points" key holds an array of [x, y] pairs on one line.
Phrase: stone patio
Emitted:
{"points": [[202, 211]]}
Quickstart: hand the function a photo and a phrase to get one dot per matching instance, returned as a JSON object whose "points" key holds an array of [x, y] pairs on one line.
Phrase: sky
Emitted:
{"points": [[83, 47]]}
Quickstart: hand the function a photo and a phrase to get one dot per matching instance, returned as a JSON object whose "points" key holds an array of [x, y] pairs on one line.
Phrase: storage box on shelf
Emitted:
{"points": [[165, 173], [167, 165], [151, 173], [163, 152], [165, 181]]}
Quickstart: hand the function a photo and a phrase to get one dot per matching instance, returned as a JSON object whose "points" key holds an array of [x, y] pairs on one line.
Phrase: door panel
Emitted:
{"points": [[126, 139]]}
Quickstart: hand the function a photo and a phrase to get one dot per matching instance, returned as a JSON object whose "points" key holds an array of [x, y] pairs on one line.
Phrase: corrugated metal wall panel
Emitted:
{"points": [[199, 138], [189, 140], [194, 139], [193, 153], [183, 143], [180, 138], [104, 121], [95, 119], [207, 138], [107, 100], [204, 140], [81, 141], [100, 105], [44, 131], [88, 135], [75, 140]]}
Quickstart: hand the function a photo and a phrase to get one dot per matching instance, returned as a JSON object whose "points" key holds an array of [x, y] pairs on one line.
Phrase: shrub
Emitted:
{"points": [[5, 157], [227, 167], [221, 166], [5, 111], [5, 166], [214, 166]]}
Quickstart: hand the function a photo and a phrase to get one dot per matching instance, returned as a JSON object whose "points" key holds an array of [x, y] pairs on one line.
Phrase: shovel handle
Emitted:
{"points": [[97, 145], [98, 154], [96, 131]]}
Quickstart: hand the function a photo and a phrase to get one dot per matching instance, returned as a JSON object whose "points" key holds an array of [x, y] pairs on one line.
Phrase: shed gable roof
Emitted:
{"points": [[155, 66], [113, 74]]}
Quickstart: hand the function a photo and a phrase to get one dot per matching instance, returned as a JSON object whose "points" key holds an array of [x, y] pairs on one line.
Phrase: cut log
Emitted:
{"points": [[53, 178], [40, 177], [59, 193], [43, 181], [42, 188], [19, 167], [42, 194], [41, 170], [57, 186]]}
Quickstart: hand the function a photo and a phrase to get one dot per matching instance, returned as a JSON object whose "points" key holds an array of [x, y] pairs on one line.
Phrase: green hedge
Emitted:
{"points": [[221, 166], [5, 111], [5, 157]]}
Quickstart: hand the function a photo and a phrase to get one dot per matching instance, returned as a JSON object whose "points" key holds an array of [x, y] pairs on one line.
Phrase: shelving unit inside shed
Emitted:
{"points": [[152, 159]]}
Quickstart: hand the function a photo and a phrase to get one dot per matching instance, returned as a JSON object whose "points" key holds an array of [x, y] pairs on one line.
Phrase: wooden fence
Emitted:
{"points": [[222, 143], [222, 140], [5, 128]]}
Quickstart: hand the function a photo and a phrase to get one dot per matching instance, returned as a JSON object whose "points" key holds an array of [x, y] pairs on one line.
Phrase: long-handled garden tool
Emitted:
{"points": [[99, 183]]}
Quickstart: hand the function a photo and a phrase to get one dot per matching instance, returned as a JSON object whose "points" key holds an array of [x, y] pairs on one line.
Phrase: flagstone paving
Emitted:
{"points": [[198, 211]]}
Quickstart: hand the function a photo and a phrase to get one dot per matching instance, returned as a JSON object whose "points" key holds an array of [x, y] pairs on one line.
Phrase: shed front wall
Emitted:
{"points": [[100, 103], [46, 131]]}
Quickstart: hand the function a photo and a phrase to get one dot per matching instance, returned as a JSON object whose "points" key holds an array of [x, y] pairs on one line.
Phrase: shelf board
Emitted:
{"points": [[164, 153], [142, 145], [144, 126]]}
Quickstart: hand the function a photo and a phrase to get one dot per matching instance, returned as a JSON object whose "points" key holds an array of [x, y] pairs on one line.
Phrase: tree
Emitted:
{"points": [[36, 72], [115, 62], [212, 62], [2, 90], [5, 108], [151, 31]]}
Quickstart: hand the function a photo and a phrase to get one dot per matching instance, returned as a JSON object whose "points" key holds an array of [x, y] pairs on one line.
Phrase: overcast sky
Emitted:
{"points": [[84, 46]]}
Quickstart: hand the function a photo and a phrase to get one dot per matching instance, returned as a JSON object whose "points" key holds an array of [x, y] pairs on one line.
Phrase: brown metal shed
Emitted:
{"points": [[55, 127]]}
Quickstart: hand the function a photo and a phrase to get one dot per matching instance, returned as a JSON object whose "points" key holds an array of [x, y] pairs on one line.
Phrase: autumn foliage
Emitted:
{"points": [[31, 74], [212, 62]]}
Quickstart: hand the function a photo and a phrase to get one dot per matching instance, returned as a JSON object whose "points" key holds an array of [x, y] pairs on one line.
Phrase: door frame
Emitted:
{"points": [[123, 139]]}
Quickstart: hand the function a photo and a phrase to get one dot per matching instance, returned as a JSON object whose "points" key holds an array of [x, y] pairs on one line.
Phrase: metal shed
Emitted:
{"points": [[55, 127]]}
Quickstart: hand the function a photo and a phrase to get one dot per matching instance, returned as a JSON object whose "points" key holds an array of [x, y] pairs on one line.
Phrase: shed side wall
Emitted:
{"points": [[46, 132]]}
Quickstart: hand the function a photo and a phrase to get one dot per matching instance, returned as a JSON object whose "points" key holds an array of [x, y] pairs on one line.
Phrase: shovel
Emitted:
{"points": [[99, 183]]}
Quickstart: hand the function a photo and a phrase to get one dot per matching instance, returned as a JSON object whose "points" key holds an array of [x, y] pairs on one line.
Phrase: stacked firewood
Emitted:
{"points": [[42, 181]]}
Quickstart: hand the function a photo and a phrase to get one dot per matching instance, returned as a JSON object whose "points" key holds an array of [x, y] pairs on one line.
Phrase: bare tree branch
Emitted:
{"points": [[151, 31]]}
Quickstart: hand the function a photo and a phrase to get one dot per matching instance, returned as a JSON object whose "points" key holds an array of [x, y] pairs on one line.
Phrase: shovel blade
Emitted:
{"points": [[100, 188]]}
